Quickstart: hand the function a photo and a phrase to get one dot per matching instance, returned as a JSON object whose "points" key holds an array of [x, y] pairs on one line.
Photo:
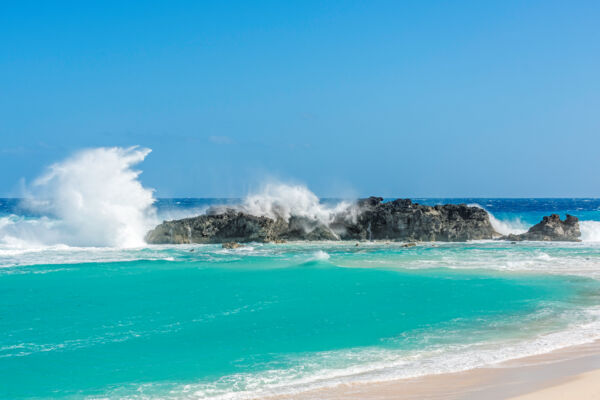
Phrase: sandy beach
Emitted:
{"points": [[572, 373], [584, 386]]}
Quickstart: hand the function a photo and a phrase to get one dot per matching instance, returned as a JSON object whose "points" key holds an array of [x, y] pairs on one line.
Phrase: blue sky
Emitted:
{"points": [[395, 98]]}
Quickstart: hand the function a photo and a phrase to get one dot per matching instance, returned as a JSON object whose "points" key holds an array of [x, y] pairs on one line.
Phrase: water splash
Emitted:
{"points": [[504, 227], [93, 198], [279, 200], [320, 255], [590, 231]]}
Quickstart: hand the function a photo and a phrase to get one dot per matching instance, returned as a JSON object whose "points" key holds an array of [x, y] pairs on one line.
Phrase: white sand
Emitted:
{"points": [[581, 387], [572, 373]]}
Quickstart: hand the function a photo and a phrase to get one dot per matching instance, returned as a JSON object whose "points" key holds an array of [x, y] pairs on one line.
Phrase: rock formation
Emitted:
{"points": [[551, 228], [407, 221], [368, 219], [230, 226]]}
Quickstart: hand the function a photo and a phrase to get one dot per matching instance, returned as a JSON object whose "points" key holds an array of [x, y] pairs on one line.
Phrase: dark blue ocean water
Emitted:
{"points": [[529, 208]]}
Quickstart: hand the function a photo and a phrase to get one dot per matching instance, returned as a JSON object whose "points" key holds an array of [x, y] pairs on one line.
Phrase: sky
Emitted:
{"points": [[389, 98]]}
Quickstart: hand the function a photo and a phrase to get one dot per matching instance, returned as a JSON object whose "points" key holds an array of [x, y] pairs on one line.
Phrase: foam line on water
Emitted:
{"points": [[369, 365]]}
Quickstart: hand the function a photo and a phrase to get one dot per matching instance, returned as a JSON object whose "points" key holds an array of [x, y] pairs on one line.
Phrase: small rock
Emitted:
{"points": [[551, 228], [409, 245], [231, 245]]}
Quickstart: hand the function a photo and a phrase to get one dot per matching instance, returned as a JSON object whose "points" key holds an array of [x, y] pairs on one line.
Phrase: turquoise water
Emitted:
{"points": [[153, 326], [199, 321]]}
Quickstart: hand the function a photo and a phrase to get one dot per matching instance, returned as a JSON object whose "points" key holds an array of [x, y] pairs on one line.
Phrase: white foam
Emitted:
{"points": [[320, 255], [278, 200], [590, 231], [93, 198], [504, 227], [364, 365]]}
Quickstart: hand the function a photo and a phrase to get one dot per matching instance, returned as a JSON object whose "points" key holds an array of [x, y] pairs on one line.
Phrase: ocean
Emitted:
{"points": [[88, 311]]}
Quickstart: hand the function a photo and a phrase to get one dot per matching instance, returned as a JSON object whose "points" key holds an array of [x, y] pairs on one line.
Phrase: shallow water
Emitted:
{"points": [[198, 321]]}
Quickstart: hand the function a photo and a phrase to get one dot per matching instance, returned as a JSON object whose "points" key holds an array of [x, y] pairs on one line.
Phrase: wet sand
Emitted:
{"points": [[571, 373]]}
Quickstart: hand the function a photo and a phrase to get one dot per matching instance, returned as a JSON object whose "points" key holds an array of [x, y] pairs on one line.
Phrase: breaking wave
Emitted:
{"points": [[504, 227], [590, 231], [93, 198], [320, 255], [279, 200]]}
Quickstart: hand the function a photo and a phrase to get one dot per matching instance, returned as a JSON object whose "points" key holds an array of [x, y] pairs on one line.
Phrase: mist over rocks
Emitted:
{"points": [[366, 219], [551, 228]]}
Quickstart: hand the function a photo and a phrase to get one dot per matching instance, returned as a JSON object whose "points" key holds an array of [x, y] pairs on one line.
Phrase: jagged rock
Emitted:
{"points": [[368, 219], [403, 220], [551, 228], [409, 244], [230, 226], [303, 228]]}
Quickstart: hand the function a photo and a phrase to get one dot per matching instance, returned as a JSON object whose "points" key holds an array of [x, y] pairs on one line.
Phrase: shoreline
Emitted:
{"points": [[568, 373]]}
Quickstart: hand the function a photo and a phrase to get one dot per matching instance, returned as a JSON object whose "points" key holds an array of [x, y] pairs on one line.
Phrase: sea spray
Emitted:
{"points": [[590, 231], [279, 200], [93, 198], [504, 227], [320, 255]]}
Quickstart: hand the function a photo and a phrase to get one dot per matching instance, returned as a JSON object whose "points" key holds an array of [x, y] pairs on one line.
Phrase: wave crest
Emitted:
{"points": [[93, 198], [590, 231], [278, 200], [504, 227]]}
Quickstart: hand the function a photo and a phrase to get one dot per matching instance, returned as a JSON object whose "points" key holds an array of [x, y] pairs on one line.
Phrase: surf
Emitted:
{"points": [[92, 198]]}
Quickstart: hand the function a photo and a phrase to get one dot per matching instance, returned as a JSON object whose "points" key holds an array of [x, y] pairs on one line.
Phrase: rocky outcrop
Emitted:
{"points": [[368, 219], [551, 228], [230, 226], [407, 221]]}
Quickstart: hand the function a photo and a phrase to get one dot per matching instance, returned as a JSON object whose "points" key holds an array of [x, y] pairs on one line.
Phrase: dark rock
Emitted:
{"points": [[231, 245], [230, 226], [404, 220], [367, 219], [551, 228], [304, 228]]}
